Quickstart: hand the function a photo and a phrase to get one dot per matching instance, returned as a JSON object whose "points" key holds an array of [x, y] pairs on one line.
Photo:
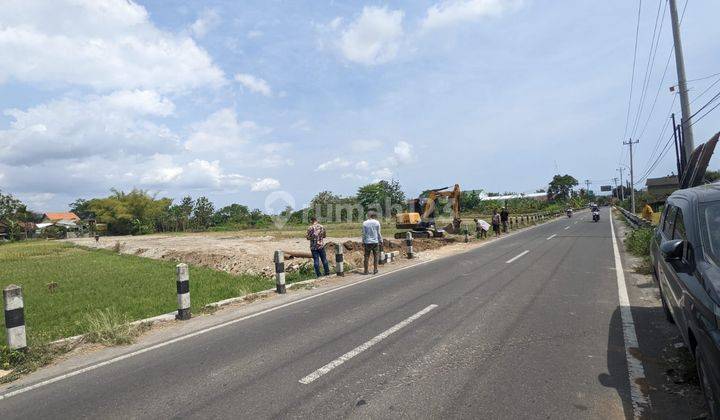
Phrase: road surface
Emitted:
{"points": [[525, 327]]}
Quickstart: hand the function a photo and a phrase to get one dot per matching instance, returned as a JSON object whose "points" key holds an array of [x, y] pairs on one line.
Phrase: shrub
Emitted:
{"points": [[638, 241], [108, 327]]}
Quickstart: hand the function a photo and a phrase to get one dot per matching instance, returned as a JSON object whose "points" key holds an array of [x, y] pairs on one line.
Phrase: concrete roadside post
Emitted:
{"points": [[14, 317], [183, 291], [467, 237], [409, 243], [339, 260], [279, 272], [382, 259]]}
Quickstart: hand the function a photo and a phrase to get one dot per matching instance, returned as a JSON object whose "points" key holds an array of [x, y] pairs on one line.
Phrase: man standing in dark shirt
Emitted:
{"points": [[504, 217], [316, 235]]}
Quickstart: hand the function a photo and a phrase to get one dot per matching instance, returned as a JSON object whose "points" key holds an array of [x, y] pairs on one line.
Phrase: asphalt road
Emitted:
{"points": [[468, 336]]}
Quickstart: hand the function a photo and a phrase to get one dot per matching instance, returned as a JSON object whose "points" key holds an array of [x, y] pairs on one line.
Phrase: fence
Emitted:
{"points": [[635, 220]]}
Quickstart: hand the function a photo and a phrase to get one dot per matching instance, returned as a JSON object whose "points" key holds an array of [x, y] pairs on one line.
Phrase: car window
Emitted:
{"points": [[669, 222], [679, 232], [710, 220]]}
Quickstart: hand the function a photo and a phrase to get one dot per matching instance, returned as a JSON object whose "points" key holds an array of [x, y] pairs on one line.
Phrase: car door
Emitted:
{"points": [[666, 272]]}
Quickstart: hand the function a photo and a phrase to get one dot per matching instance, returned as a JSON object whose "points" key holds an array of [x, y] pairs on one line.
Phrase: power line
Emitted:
{"points": [[706, 104], [632, 78], [705, 114], [654, 44], [705, 91], [704, 78]]}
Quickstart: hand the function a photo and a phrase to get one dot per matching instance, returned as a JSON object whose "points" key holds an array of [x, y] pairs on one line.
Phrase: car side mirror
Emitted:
{"points": [[672, 250]]}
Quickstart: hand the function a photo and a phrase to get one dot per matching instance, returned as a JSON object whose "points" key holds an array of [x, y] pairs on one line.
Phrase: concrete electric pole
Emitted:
{"points": [[622, 187], [630, 143], [587, 187], [615, 180], [682, 83]]}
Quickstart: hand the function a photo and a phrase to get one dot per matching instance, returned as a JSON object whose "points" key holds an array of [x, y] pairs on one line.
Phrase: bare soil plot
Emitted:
{"points": [[236, 252]]}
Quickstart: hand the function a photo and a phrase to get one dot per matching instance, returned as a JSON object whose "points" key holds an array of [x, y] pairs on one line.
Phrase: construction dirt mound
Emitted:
{"points": [[237, 254]]}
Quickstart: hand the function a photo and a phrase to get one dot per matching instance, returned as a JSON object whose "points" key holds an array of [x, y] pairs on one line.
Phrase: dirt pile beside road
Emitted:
{"points": [[235, 253]]}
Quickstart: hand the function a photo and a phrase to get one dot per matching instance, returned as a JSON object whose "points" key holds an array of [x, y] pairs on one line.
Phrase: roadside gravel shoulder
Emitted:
{"points": [[672, 381]]}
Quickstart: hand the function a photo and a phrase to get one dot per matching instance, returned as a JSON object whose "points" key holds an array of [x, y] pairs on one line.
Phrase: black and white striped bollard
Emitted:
{"points": [[14, 317], [339, 260], [409, 243], [279, 272], [183, 291]]}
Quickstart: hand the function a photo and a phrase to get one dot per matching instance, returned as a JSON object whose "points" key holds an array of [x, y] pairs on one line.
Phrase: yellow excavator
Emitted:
{"points": [[420, 219]]}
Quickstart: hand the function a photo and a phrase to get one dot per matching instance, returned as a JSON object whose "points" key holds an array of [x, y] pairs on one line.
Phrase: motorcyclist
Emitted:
{"points": [[569, 211]]}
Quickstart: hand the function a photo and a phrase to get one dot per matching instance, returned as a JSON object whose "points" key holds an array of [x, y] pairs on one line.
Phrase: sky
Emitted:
{"points": [[265, 103]]}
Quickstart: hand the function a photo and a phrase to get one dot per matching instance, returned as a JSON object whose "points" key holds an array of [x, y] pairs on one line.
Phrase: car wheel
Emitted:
{"points": [[705, 383], [666, 308]]}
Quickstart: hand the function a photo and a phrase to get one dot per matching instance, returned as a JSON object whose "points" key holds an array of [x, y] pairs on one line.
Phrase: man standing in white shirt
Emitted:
{"points": [[372, 238]]}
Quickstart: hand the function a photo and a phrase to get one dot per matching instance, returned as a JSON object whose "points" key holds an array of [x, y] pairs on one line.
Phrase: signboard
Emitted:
{"points": [[606, 188]]}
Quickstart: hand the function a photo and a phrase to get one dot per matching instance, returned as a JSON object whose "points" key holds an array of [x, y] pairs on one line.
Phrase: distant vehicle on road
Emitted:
{"points": [[685, 256]]}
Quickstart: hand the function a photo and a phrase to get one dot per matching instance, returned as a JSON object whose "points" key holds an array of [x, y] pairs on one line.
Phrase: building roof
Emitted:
{"points": [[665, 181], [61, 216], [510, 197]]}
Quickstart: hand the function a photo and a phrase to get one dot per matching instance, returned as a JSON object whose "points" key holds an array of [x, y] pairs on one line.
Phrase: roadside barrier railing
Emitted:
{"points": [[635, 220]]}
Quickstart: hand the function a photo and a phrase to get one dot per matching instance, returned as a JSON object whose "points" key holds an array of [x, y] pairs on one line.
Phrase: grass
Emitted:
{"points": [[638, 241], [24, 362], [99, 280], [110, 328]]}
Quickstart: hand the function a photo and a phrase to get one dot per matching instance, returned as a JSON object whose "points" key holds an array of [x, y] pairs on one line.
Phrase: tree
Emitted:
{"points": [[202, 213], [470, 200], [81, 208], [185, 209], [712, 176], [235, 214], [561, 187], [136, 212], [11, 207], [385, 197]]}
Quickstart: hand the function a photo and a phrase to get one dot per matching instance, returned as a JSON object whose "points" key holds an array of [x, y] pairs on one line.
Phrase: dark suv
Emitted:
{"points": [[685, 255]]}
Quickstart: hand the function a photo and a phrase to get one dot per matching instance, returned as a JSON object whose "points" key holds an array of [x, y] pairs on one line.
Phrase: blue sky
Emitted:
{"points": [[248, 101]]}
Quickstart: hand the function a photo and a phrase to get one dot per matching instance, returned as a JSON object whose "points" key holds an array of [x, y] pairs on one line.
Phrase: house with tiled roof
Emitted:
{"points": [[56, 217]]}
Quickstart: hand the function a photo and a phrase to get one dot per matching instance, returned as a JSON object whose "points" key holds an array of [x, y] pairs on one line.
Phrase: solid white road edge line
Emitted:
{"points": [[517, 256], [636, 372], [193, 334], [225, 324], [551, 236], [361, 348]]}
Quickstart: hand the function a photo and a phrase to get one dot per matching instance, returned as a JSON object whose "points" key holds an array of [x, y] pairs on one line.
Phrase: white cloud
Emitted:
{"points": [[116, 124], [382, 174], [106, 45], [220, 132], [141, 102], [254, 34], [362, 165], [362, 146], [208, 20], [374, 38], [254, 84], [265, 184], [403, 152], [352, 176], [450, 12], [336, 163]]}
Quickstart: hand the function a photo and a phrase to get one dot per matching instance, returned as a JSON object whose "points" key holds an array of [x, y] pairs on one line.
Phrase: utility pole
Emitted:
{"points": [[682, 83], [615, 180], [622, 187], [630, 143], [587, 187]]}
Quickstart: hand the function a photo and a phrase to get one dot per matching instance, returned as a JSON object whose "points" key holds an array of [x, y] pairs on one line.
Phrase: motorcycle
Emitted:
{"points": [[596, 216]]}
